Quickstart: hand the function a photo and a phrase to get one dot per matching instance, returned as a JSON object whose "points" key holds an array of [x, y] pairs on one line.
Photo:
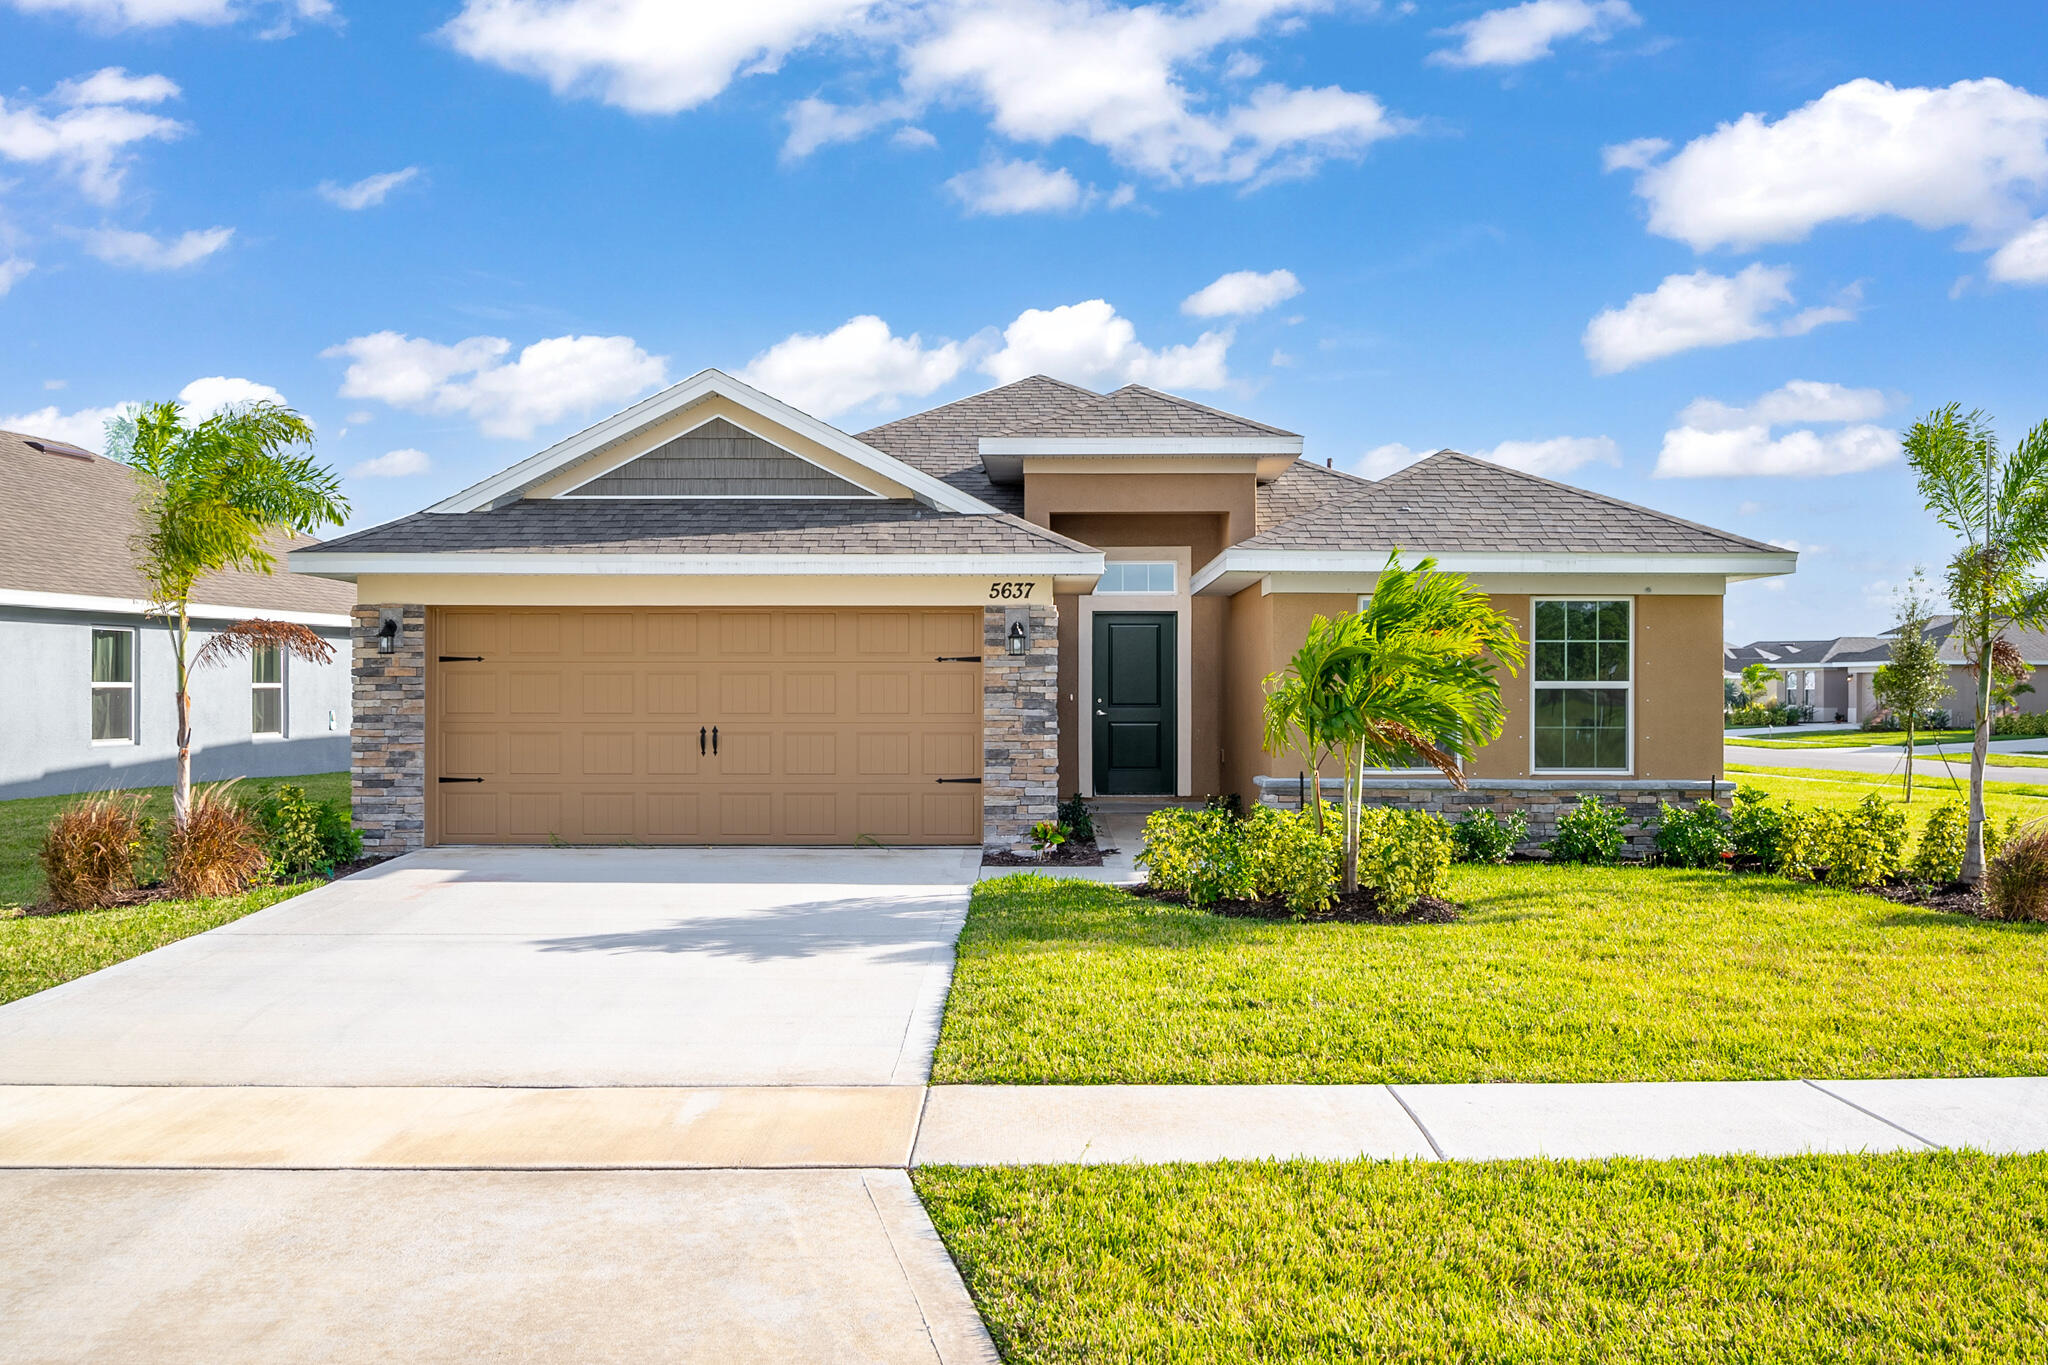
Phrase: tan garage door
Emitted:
{"points": [[591, 725]]}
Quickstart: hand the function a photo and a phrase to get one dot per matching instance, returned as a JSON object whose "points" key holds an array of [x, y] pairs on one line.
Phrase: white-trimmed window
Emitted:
{"points": [[266, 691], [1582, 676], [1138, 575], [113, 686]]}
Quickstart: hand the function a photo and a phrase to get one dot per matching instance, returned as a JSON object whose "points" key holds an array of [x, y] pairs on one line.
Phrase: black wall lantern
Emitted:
{"points": [[1016, 641], [387, 636]]}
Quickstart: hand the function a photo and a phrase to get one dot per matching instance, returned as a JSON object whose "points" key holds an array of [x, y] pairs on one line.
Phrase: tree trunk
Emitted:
{"points": [[1980, 748], [181, 789], [1351, 800], [1909, 758]]}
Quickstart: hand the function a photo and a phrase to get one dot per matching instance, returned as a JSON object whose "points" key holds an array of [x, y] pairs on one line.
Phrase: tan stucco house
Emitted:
{"points": [[713, 618]]}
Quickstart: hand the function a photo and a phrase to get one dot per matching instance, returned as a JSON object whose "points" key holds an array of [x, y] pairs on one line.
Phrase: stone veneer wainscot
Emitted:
{"points": [[1020, 770], [388, 747]]}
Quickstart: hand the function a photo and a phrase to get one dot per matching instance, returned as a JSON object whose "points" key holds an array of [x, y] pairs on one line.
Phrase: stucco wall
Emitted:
{"points": [[1232, 496], [46, 743]]}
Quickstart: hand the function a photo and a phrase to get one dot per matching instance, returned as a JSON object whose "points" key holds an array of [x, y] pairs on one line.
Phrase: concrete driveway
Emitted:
{"points": [[536, 967]]}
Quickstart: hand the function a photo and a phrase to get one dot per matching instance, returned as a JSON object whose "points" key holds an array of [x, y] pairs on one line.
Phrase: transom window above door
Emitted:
{"points": [[1138, 575]]}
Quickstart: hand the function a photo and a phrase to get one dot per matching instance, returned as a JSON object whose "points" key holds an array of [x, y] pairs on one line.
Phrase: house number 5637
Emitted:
{"points": [[1009, 592]]}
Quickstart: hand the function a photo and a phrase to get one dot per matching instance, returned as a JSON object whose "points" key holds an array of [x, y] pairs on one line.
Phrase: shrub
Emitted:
{"points": [[1590, 832], [1766, 713], [1196, 853], [1289, 861], [1700, 837], [1075, 815], [1756, 827], [1487, 836], [1862, 846], [1048, 835], [2020, 724], [2016, 881], [218, 851], [1402, 855], [1939, 857], [90, 850], [304, 838]]}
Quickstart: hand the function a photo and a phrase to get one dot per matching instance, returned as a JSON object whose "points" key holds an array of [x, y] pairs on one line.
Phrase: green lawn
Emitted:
{"points": [[1864, 1258], [22, 824], [41, 951], [1824, 787], [1852, 739], [1555, 974]]}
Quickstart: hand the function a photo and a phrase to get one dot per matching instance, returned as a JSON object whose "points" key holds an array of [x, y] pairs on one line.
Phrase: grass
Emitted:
{"points": [[1855, 739], [1554, 974], [22, 823], [41, 951], [1823, 787], [1838, 1258]]}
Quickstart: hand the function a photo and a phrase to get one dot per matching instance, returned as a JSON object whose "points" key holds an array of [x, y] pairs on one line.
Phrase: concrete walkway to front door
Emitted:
{"points": [[217, 1148]]}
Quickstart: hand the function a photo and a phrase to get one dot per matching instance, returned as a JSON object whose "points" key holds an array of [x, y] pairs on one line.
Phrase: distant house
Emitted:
{"points": [[1833, 676], [86, 678]]}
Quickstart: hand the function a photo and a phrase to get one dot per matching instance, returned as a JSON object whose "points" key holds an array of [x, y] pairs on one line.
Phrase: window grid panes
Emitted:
{"points": [[113, 687], [1582, 675], [266, 694], [1137, 575]]}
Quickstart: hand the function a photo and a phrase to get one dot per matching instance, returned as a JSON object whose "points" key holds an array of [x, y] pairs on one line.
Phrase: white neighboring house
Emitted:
{"points": [[86, 678]]}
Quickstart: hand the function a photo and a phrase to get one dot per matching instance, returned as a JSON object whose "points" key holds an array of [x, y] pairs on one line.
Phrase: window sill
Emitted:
{"points": [[113, 743]]}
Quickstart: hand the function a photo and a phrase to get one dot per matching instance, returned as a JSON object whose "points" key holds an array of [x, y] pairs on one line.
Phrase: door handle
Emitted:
{"points": [[700, 739], [458, 779], [714, 739]]}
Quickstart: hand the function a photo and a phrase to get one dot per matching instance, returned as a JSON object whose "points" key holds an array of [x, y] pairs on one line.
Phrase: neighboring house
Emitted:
{"points": [[1833, 676], [713, 618], [87, 680]]}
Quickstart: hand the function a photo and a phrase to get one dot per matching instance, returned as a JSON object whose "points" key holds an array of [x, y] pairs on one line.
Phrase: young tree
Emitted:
{"points": [[1916, 679], [1998, 504], [214, 496], [1411, 674], [1756, 681]]}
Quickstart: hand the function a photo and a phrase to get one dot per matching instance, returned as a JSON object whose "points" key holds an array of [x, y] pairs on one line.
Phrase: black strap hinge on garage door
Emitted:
{"points": [[461, 658], [957, 659], [974, 780], [458, 779]]}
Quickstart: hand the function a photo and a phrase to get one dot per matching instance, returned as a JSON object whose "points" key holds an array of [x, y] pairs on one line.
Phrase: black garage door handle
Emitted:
{"points": [[974, 780], [461, 658], [458, 779]]}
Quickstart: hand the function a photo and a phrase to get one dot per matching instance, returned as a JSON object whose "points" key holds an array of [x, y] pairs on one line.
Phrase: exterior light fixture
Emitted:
{"points": [[387, 636], [1016, 642]]}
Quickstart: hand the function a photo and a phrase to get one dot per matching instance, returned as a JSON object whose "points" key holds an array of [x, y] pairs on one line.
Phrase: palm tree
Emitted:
{"points": [[214, 496], [1409, 675], [1998, 504]]}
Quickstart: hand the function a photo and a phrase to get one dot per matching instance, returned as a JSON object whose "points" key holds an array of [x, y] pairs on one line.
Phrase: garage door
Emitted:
{"points": [[693, 727]]}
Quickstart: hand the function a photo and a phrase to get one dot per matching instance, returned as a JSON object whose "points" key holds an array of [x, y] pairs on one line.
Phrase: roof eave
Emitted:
{"points": [[1239, 567], [1036, 564]]}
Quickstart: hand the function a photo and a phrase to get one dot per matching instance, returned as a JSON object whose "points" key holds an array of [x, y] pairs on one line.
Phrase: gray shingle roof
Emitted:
{"points": [[728, 527], [1135, 410], [1302, 488], [65, 524], [1451, 501], [945, 442]]}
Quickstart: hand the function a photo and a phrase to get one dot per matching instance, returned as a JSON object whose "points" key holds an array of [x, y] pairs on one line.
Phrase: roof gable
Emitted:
{"points": [[718, 459]]}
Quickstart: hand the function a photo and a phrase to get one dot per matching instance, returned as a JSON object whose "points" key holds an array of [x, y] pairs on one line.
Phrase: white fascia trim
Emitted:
{"points": [[1141, 445], [135, 606], [695, 389], [1234, 569], [865, 494], [344, 565]]}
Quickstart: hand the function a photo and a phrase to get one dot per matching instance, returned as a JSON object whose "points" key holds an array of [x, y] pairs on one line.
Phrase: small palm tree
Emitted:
{"points": [[1411, 674], [214, 497], [1998, 503]]}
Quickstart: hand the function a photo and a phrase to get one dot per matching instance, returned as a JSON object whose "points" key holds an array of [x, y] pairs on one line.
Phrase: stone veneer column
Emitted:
{"points": [[388, 745], [1020, 770]]}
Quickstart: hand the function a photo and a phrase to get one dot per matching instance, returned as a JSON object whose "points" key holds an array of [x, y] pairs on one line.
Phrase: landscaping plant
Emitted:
{"points": [[2016, 880], [1756, 827], [215, 496], [1289, 859], [1409, 676], [1486, 836], [1700, 837], [1916, 678], [217, 850], [1196, 853], [1048, 835], [1998, 503], [1075, 815], [1404, 855], [302, 837], [90, 850], [1862, 846], [1589, 832]]}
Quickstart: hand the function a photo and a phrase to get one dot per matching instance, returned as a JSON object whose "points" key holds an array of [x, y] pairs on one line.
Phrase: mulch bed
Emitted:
{"points": [[1953, 897], [1360, 907], [1073, 853], [147, 895]]}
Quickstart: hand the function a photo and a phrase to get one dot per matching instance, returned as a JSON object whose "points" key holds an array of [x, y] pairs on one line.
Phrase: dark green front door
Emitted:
{"points": [[1135, 725]]}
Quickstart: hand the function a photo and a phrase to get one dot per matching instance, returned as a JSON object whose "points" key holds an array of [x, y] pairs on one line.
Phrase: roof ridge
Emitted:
{"points": [[1086, 394], [1185, 402]]}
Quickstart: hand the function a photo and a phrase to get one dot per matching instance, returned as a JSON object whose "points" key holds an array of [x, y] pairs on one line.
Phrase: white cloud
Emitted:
{"points": [[367, 192], [1799, 547], [1702, 309], [393, 464], [1973, 155], [548, 381], [1634, 155], [1130, 80], [85, 428], [12, 268], [1091, 343], [857, 363], [1555, 457], [2023, 260], [116, 14], [911, 136], [1242, 66], [999, 187], [85, 127], [1749, 509], [1381, 461], [1240, 293], [1723, 440], [140, 251], [205, 397], [1523, 33]]}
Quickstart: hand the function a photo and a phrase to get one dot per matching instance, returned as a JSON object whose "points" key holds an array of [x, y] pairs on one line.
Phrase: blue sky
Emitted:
{"points": [[1708, 258]]}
